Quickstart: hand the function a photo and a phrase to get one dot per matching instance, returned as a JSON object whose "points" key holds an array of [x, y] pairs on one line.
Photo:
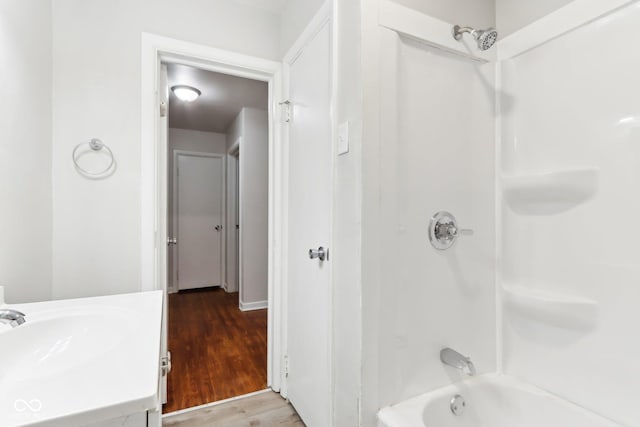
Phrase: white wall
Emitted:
{"points": [[571, 328], [346, 250], [252, 125], [511, 15], [96, 79], [226, 24], [187, 140], [25, 149], [295, 16], [474, 13], [506, 15]]}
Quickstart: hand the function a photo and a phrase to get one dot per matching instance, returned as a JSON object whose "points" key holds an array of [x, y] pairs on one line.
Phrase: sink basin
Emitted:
{"points": [[82, 361], [60, 341]]}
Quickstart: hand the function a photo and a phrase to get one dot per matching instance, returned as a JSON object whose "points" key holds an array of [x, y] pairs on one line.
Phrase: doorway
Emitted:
{"points": [[217, 143], [283, 109]]}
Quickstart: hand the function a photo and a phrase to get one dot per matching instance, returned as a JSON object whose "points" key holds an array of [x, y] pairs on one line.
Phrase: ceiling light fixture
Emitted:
{"points": [[186, 93]]}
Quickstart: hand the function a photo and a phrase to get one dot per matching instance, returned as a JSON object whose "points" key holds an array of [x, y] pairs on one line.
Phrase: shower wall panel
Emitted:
{"points": [[437, 153], [570, 175]]}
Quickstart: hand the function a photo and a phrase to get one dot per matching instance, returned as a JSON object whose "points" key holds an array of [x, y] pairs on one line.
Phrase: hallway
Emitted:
{"points": [[217, 350]]}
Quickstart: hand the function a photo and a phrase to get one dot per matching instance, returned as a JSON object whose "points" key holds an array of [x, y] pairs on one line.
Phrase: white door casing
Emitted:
{"points": [[232, 251], [163, 132], [310, 206], [156, 50], [200, 216]]}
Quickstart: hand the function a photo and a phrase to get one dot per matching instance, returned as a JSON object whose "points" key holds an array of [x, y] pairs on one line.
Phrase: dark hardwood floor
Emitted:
{"points": [[217, 351]]}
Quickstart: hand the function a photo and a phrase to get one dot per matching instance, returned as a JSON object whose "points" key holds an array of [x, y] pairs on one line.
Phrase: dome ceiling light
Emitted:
{"points": [[186, 93]]}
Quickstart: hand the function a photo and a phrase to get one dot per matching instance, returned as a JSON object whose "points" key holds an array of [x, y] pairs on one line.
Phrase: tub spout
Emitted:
{"points": [[451, 357]]}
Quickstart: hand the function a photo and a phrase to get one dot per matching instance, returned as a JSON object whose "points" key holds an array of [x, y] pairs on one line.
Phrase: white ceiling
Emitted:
{"points": [[222, 98]]}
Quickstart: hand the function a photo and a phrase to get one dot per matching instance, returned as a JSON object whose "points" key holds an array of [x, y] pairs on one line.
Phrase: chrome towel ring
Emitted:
{"points": [[96, 145]]}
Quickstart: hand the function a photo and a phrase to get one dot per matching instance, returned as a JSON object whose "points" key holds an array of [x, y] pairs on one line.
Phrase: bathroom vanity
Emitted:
{"points": [[83, 362]]}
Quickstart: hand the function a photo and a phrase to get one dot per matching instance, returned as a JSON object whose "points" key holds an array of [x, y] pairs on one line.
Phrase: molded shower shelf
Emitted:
{"points": [[551, 308], [549, 192]]}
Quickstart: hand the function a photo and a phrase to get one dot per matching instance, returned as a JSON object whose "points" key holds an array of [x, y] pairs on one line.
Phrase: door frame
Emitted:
{"points": [[174, 206], [234, 152], [155, 51]]}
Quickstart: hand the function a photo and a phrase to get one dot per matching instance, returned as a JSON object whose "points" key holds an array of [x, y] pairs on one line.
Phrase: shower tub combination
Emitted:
{"points": [[530, 141], [490, 400]]}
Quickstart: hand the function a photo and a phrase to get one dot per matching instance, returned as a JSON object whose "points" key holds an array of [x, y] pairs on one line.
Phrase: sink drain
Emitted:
{"points": [[457, 405]]}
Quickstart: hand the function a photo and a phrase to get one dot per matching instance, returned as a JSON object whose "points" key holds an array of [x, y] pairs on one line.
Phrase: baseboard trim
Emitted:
{"points": [[257, 305]]}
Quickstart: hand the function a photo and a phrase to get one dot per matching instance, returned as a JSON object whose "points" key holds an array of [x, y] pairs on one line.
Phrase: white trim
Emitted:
{"points": [[427, 29], [242, 223], [233, 212], [498, 199], [256, 305], [169, 415], [322, 16], [555, 24], [153, 179], [235, 147], [223, 250]]}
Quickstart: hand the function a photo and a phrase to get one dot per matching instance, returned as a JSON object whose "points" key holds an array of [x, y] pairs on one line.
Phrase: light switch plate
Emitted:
{"points": [[343, 138]]}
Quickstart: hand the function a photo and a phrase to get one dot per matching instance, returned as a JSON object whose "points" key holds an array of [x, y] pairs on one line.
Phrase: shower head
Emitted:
{"points": [[484, 38]]}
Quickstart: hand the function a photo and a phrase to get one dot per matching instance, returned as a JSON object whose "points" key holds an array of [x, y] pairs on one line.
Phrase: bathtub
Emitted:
{"points": [[489, 401]]}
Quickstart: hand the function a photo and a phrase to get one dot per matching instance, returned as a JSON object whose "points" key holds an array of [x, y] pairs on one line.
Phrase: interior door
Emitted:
{"points": [[310, 195], [200, 214]]}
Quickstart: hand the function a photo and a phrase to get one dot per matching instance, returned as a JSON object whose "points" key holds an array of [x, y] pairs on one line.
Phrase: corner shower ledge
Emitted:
{"points": [[549, 192], [560, 310]]}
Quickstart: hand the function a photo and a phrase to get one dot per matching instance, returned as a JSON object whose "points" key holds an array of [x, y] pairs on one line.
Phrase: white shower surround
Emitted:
{"points": [[433, 299], [559, 334], [570, 117]]}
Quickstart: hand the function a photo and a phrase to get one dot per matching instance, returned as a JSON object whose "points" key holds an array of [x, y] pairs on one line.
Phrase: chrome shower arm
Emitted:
{"points": [[458, 31]]}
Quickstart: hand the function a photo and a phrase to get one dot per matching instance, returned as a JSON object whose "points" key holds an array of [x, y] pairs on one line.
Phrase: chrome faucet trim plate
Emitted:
{"points": [[444, 230]]}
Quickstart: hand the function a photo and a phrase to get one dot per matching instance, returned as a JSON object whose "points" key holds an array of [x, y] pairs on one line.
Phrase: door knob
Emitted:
{"points": [[218, 227], [172, 241], [321, 253]]}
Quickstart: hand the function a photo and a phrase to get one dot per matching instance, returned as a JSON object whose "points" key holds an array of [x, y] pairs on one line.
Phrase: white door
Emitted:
{"points": [[310, 195], [200, 217]]}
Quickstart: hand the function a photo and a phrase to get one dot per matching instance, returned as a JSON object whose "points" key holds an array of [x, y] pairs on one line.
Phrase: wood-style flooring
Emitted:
{"points": [[217, 351], [259, 410]]}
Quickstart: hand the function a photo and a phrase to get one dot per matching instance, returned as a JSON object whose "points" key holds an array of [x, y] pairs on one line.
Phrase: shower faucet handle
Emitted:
{"points": [[443, 230], [460, 231]]}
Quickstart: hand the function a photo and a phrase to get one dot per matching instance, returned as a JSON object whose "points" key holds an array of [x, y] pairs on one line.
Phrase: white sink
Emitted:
{"points": [[77, 362]]}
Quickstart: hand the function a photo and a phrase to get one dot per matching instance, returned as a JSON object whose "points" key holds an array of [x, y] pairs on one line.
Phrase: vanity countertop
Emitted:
{"points": [[81, 361]]}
